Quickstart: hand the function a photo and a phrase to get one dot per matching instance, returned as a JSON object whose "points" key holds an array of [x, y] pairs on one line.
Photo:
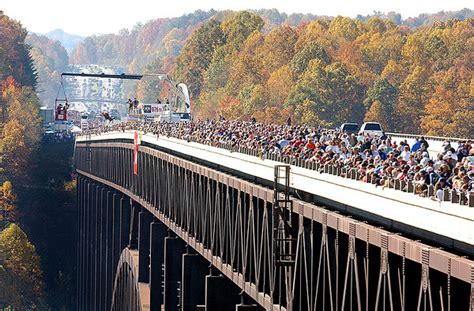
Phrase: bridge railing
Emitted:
{"points": [[408, 186], [434, 138]]}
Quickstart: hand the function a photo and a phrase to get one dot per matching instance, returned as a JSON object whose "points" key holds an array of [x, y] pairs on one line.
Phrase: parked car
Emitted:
{"points": [[372, 128], [350, 128], [84, 122]]}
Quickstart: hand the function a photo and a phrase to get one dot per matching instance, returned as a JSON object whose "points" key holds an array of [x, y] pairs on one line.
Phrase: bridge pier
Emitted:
{"points": [[125, 217], [144, 220], [193, 281], [134, 233], [102, 262], [221, 293], [90, 244], [158, 233], [115, 240], [173, 250], [96, 245], [109, 264], [81, 186]]}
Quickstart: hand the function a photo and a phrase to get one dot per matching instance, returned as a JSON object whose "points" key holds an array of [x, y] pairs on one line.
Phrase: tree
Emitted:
{"points": [[21, 130], [279, 86], [307, 114], [345, 28], [229, 107], [450, 110], [50, 59], [278, 48], [252, 99], [15, 59], [8, 211], [377, 113], [414, 94], [240, 26], [334, 94], [246, 67], [22, 285], [394, 72], [13, 150], [197, 54], [312, 50], [386, 95]]}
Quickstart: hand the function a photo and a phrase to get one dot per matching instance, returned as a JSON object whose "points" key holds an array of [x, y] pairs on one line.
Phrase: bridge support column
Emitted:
{"points": [[221, 293], [96, 245], [81, 187], [134, 233], [144, 220], [102, 248], [158, 232], [90, 243], [109, 267], [125, 217], [174, 247], [116, 241], [193, 281]]}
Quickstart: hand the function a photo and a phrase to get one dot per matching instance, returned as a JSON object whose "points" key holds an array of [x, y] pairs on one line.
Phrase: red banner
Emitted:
{"points": [[135, 154]]}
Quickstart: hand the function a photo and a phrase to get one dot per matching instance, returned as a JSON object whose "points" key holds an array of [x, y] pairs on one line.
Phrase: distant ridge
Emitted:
{"points": [[69, 41]]}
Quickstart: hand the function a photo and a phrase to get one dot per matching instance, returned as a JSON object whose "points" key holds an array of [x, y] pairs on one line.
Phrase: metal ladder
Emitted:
{"points": [[283, 240]]}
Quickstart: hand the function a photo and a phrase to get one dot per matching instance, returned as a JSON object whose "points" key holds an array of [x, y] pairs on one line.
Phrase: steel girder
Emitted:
{"points": [[340, 264]]}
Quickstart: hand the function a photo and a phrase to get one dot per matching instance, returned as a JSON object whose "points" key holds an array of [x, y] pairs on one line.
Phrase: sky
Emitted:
{"points": [[86, 17]]}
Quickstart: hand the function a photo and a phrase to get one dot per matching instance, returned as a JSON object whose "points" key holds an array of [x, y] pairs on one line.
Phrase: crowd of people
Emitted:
{"points": [[58, 137], [380, 160]]}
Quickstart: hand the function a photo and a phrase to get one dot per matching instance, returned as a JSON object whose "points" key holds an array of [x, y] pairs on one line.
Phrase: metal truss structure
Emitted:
{"points": [[279, 252]]}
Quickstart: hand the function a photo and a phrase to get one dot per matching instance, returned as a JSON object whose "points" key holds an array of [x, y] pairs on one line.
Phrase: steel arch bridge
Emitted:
{"points": [[182, 236]]}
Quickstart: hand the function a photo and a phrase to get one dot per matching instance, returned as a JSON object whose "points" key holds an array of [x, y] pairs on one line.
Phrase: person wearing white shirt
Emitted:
{"points": [[406, 153]]}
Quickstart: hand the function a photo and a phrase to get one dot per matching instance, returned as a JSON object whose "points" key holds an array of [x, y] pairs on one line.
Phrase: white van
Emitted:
{"points": [[372, 128], [84, 122]]}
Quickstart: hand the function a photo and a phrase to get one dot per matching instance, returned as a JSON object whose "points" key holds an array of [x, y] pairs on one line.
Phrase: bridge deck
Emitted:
{"points": [[448, 223]]}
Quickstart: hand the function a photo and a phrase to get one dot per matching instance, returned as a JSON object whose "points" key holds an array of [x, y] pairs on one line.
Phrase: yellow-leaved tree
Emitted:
{"points": [[8, 211], [21, 128], [21, 285], [376, 113]]}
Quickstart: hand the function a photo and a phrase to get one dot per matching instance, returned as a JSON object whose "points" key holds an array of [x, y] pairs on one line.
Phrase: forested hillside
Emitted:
{"points": [[157, 42], [21, 280], [50, 60], [331, 71], [413, 75]]}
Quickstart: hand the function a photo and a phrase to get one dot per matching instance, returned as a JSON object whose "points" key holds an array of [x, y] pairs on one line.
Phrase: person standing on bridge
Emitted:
{"points": [[417, 145], [424, 142], [130, 105], [135, 103]]}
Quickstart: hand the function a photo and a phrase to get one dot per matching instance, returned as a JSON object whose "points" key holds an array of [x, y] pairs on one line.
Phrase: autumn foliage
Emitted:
{"points": [[21, 284], [327, 72], [20, 271]]}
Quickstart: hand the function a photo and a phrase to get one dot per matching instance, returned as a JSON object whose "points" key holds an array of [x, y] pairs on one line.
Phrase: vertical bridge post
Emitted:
{"points": [[284, 254]]}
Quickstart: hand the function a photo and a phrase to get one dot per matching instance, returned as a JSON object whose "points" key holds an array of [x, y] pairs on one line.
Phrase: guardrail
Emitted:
{"points": [[449, 195], [435, 138]]}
